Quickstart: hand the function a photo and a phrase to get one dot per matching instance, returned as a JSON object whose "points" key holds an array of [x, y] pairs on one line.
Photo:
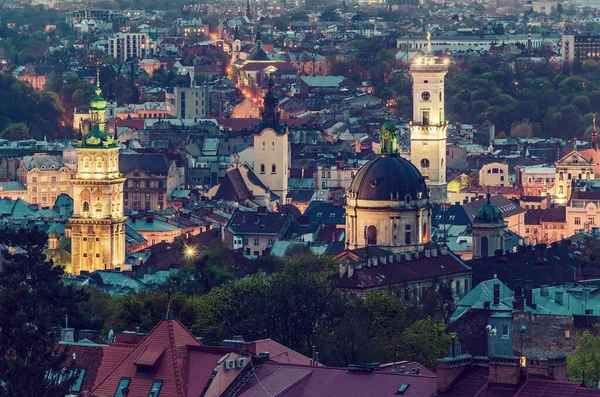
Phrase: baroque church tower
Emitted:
{"points": [[98, 224], [271, 147], [429, 128]]}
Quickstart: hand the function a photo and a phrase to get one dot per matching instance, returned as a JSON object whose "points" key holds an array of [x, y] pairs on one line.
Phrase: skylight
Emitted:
{"points": [[155, 389]]}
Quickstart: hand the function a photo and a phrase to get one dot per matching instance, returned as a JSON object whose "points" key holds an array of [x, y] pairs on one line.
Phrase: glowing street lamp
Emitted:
{"points": [[190, 251]]}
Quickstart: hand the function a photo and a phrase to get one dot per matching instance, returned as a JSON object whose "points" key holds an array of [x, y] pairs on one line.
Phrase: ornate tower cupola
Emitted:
{"points": [[488, 230]]}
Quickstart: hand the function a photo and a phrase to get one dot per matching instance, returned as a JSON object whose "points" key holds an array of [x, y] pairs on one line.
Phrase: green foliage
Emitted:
{"points": [[584, 363], [33, 303], [16, 132], [425, 341], [40, 111], [555, 102]]}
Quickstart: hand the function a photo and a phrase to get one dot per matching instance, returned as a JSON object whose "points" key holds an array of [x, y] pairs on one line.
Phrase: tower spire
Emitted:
{"points": [[248, 12], [271, 115]]}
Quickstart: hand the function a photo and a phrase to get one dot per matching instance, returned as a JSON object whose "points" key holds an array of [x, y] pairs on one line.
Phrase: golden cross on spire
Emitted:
{"points": [[429, 39]]}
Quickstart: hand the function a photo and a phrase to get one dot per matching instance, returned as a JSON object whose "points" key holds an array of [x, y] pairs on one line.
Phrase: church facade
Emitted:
{"points": [[98, 223]]}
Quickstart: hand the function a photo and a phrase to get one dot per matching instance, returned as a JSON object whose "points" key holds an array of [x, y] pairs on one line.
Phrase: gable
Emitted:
{"points": [[573, 158]]}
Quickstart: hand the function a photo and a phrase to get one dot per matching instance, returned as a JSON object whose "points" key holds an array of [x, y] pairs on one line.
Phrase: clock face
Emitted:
{"points": [[426, 96]]}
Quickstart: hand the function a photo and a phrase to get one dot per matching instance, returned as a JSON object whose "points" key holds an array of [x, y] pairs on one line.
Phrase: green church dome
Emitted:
{"points": [[488, 213]]}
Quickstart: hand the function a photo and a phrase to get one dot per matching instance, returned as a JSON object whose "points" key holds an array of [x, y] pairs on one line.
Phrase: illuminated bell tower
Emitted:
{"points": [[98, 224], [429, 128]]}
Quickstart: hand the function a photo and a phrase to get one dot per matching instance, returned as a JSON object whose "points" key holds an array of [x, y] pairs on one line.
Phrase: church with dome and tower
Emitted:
{"points": [[389, 202], [98, 222]]}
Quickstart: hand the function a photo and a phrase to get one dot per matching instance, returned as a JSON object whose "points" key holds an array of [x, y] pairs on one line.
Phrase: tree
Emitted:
{"points": [[33, 303], [584, 363], [425, 342], [16, 132], [521, 129]]}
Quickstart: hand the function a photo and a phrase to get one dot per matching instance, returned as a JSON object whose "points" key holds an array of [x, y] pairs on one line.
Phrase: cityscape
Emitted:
{"points": [[296, 198]]}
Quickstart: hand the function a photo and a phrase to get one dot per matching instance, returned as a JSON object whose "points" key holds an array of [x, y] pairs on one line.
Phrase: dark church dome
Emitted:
{"points": [[389, 176]]}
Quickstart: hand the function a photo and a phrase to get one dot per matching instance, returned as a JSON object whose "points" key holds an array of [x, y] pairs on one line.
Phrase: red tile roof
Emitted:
{"points": [[170, 337], [237, 124], [88, 358], [278, 352], [539, 387], [283, 380]]}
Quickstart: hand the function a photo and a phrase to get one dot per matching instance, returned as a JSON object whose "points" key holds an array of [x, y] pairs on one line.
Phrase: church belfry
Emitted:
{"points": [[429, 128], [98, 224], [271, 147]]}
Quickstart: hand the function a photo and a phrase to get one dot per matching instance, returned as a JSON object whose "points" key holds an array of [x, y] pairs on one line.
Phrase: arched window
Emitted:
{"points": [[372, 235], [262, 168], [560, 176], [273, 169], [98, 207], [99, 163], [86, 206], [86, 163], [484, 246], [407, 237], [425, 163]]}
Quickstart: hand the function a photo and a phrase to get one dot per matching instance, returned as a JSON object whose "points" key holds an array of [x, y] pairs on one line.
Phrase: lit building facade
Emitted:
{"points": [[45, 177], [429, 128], [98, 223], [124, 46], [388, 202], [570, 168]]}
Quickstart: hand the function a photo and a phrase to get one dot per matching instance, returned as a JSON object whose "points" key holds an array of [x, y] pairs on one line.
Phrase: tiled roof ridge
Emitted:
{"points": [[345, 369], [178, 385]]}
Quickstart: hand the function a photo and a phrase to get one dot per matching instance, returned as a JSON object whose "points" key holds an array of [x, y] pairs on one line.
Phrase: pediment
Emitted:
{"points": [[573, 158]]}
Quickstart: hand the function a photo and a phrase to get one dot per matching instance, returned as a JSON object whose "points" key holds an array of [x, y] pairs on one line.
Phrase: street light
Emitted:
{"points": [[190, 251], [522, 330]]}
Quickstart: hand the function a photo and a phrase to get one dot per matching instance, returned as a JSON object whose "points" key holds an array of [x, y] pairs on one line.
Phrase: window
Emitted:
{"points": [[526, 230], [560, 176], [484, 246], [577, 220], [271, 242], [560, 190], [273, 169], [79, 382], [53, 179], [407, 234], [323, 174], [502, 178], [256, 242], [567, 333], [155, 389], [425, 117], [425, 163], [328, 174], [505, 331], [592, 221], [569, 176], [245, 241], [34, 179], [466, 286], [262, 168], [371, 235], [123, 383]]}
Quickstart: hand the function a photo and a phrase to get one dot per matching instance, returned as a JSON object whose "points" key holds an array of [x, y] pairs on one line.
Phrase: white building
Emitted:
{"points": [[124, 46], [187, 102]]}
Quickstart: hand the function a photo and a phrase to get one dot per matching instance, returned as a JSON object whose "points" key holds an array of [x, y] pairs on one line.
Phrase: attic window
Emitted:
{"points": [[123, 383], [155, 389], [403, 387]]}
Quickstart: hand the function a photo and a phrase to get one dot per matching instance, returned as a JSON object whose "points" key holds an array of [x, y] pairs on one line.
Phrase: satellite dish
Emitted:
{"points": [[111, 336]]}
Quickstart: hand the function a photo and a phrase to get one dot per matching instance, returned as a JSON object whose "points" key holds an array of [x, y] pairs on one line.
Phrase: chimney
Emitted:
{"points": [[529, 293], [391, 259], [444, 250], [407, 256], [558, 297], [557, 367], [434, 252], [374, 261], [505, 370], [449, 369], [496, 294], [67, 335], [427, 253], [398, 257], [383, 260]]}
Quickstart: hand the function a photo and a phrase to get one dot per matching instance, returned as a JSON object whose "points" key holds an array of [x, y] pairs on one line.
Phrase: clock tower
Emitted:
{"points": [[98, 223], [428, 129]]}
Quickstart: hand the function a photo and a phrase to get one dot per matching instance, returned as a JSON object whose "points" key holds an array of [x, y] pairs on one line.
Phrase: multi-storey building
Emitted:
{"points": [[187, 102], [570, 168], [125, 46], [151, 177], [45, 177], [333, 177], [98, 224], [579, 47], [494, 174]]}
